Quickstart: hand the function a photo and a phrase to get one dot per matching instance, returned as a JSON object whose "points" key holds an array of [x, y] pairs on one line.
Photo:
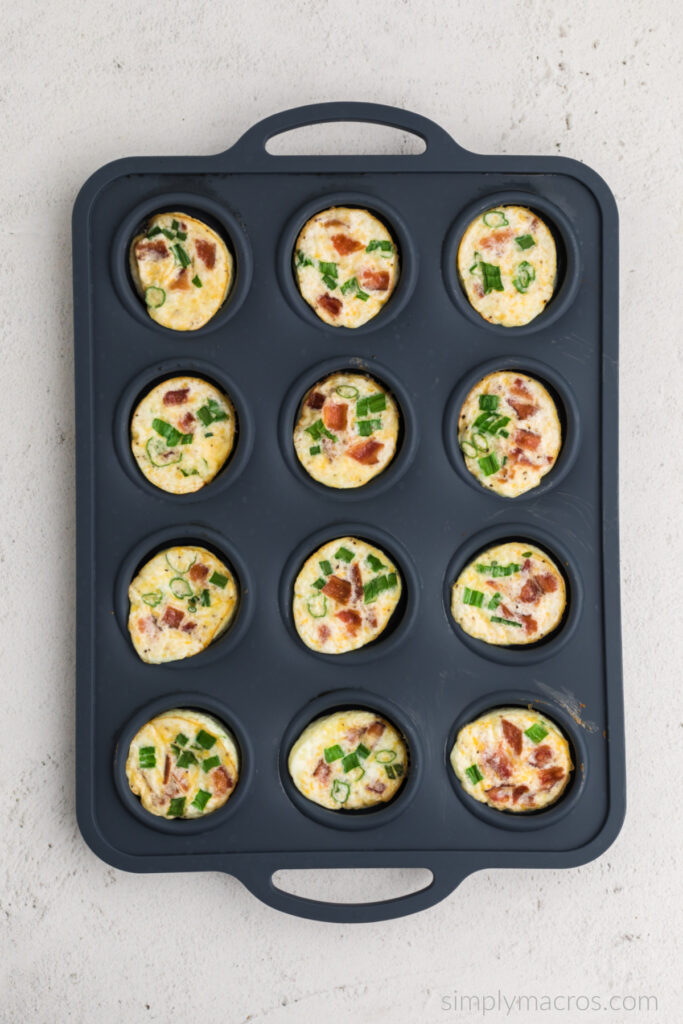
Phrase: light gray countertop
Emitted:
{"points": [[83, 84]]}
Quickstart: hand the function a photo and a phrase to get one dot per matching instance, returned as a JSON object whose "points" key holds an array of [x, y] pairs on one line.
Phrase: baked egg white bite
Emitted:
{"points": [[507, 264], [349, 760], [182, 270], [180, 602], [181, 434], [513, 759], [182, 764], [347, 430], [509, 432], [346, 265], [345, 595], [511, 594]]}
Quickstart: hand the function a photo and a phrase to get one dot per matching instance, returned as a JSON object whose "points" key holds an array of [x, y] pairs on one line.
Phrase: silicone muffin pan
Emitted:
{"points": [[263, 515]]}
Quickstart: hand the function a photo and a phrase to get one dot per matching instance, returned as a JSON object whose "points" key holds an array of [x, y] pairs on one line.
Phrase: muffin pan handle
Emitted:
{"points": [[447, 873], [252, 145]]}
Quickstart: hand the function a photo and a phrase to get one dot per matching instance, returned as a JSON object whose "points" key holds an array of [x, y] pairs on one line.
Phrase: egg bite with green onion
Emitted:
{"points": [[346, 265], [512, 593], [181, 600], [349, 760], [507, 264], [347, 430], [513, 759], [509, 432], [181, 434], [345, 595], [183, 764]]}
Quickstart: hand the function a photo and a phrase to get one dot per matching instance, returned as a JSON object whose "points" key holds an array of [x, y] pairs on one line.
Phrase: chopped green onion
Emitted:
{"points": [[326, 567], [148, 757], [181, 563], [175, 749], [475, 266], [205, 739], [496, 570], [525, 274], [484, 420], [317, 606], [347, 391], [505, 622], [494, 427], [155, 297], [302, 259], [186, 759], [349, 286], [495, 219], [206, 598], [392, 580], [204, 415], [197, 281], [329, 282], [210, 762], [398, 768], [492, 281], [318, 430], [201, 800], [327, 268], [174, 224], [344, 555], [381, 244], [332, 753], [156, 230], [479, 442], [186, 438], [376, 586], [526, 554], [367, 427], [319, 583], [495, 601], [181, 739], [536, 732], [168, 233], [159, 454], [315, 450], [182, 235], [153, 598], [489, 464], [192, 605], [350, 761], [176, 807], [375, 563], [489, 402], [473, 597], [525, 241], [167, 431], [340, 791], [504, 433], [188, 472], [180, 588], [474, 774], [218, 579], [390, 771], [385, 756], [181, 255], [356, 774], [371, 403], [362, 750], [468, 449]]}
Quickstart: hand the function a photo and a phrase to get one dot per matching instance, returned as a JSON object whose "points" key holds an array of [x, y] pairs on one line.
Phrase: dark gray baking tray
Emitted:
{"points": [[264, 515]]}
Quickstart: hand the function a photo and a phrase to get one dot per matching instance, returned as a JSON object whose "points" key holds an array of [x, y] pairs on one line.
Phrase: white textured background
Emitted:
{"points": [[85, 83]]}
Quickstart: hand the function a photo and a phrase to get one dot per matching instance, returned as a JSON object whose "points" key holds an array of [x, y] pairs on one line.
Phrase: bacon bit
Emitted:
{"points": [[345, 245], [338, 590], [177, 397], [527, 565], [530, 624], [335, 223], [188, 627], [173, 616], [351, 620], [142, 624], [334, 415], [523, 410], [506, 612], [534, 223], [315, 400], [180, 781], [499, 763], [353, 735], [365, 452], [324, 633], [376, 787], [478, 290], [222, 780], [548, 777], [550, 459], [187, 421], [496, 240], [541, 756], [374, 731], [547, 582], [322, 771], [513, 736], [167, 768], [206, 252], [531, 592], [519, 387], [198, 572], [181, 281], [518, 457], [357, 581], [375, 280], [330, 304], [519, 791], [527, 439], [492, 583], [371, 618], [499, 794], [152, 250]]}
